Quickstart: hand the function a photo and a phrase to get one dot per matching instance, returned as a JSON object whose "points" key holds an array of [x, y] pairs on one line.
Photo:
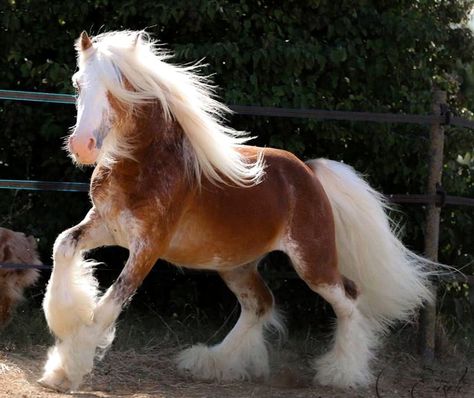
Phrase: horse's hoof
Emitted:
{"points": [[57, 381], [208, 363]]}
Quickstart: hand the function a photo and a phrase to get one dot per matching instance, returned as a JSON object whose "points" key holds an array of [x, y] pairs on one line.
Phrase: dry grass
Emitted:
{"points": [[141, 364]]}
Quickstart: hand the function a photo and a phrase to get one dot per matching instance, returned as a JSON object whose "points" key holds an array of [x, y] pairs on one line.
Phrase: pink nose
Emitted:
{"points": [[84, 149]]}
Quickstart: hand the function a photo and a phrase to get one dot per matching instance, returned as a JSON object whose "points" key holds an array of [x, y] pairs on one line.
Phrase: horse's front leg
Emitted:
{"points": [[71, 294], [72, 290], [76, 352]]}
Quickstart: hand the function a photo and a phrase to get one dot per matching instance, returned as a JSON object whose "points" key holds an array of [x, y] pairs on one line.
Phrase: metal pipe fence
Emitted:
{"points": [[434, 199]]}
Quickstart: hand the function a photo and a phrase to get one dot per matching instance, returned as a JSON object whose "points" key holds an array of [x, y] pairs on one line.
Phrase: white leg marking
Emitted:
{"points": [[70, 296], [72, 357], [243, 353], [71, 305], [347, 363], [80, 322]]}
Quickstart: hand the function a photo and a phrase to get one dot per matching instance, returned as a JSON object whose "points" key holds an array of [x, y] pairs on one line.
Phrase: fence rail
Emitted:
{"points": [[31, 185], [290, 275], [436, 197], [445, 118], [440, 199]]}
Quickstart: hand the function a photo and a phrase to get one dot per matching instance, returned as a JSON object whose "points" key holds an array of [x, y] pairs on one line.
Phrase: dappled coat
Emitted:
{"points": [[15, 248]]}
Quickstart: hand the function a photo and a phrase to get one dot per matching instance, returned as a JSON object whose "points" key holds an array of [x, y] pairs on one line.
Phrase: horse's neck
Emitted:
{"points": [[157, 155], [155, 136]]}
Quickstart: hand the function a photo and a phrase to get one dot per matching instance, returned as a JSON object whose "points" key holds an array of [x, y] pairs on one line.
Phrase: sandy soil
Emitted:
{"points": [[141, 362], [151, 373]]}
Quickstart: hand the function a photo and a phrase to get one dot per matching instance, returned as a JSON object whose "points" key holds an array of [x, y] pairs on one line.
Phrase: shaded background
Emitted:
{"points": [[380, 56]]}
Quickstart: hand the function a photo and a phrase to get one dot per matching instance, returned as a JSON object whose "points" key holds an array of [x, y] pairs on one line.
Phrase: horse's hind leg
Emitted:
{"points": [[243, 352], [347, 362]]}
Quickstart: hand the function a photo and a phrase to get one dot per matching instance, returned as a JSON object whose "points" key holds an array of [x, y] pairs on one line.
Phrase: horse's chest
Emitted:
{"points": [[118, 221]]}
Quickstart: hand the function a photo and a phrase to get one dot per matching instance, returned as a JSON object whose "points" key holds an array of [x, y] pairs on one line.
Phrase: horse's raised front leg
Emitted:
{"points": [[243, 353], [71, 294], [72, 290], [73, 356]]}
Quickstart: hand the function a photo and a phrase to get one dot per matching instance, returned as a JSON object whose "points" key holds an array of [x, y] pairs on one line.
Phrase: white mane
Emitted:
{"points": [[184, 95]]}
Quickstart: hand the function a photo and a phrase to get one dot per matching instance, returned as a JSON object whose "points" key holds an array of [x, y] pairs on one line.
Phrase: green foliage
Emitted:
{"points": [[367, 56]]}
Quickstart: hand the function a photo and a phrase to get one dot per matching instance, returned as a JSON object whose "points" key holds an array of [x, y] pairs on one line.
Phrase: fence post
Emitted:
{"points": [[428, 314]]}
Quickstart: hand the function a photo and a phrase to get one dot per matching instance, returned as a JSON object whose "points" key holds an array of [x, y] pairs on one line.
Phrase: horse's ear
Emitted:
{"points": [[84, 42], [137, 38]]}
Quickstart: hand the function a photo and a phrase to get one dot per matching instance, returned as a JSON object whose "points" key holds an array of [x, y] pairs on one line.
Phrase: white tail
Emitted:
{"points": [[393, 280]]}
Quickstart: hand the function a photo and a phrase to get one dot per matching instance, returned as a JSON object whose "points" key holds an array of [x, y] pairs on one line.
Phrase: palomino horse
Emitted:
{"points": [[15, 248], [172, 182]]}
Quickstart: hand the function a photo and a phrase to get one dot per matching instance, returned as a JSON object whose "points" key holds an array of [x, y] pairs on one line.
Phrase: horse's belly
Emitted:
{"points": [[195, 247], [222, 241], [229, 226]]}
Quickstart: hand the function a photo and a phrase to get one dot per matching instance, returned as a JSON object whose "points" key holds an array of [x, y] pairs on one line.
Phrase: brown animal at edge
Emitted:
{"points": [[15, 248]]}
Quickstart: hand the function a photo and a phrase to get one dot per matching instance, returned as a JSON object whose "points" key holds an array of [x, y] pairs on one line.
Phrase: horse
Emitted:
{"points": [[172, 181], [15, 248]]}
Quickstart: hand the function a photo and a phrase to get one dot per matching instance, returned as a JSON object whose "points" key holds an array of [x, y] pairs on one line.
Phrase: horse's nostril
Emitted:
{"points": [[91, 144]]}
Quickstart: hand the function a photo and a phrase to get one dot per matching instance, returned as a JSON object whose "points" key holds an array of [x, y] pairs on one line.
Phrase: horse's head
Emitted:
{"points": [[122, 76], [94, 113]]}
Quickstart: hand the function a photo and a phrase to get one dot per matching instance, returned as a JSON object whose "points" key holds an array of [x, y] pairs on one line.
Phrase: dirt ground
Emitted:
{"points": [[141, 362], [151, 373]]}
